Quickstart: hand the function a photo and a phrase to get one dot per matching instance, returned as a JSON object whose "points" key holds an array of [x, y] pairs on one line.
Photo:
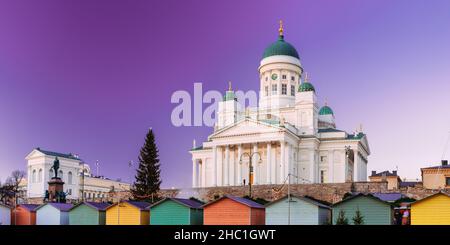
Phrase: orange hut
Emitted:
{"points": [[24, 214], [231, 210]]}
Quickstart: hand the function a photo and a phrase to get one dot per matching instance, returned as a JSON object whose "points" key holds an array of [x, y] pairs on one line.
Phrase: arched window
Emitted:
{"points": [[69, 178], [51, 174], [33, 178], [60, 174], [40, 176]]}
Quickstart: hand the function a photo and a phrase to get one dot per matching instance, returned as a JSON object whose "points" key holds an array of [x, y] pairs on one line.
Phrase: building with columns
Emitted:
{"points": [[79, 183], [288, 134]]}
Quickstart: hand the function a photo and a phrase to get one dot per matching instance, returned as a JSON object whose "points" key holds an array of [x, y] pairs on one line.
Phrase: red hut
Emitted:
{"points": [[24, 214], [231, 210]]}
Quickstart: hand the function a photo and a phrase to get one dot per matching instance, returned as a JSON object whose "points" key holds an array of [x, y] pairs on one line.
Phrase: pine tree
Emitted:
{"points": [[358, 219], [147, 179], [341, 219]]}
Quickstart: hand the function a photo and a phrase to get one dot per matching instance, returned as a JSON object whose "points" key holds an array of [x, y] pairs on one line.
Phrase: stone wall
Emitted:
{"points": [[326, 192]]}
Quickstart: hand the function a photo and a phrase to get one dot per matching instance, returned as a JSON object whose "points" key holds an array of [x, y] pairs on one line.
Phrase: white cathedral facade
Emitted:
{"points": [[287, 135]]}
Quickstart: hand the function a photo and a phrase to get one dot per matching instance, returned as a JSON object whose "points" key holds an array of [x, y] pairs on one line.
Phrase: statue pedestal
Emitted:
{"points": [[55, 185]]}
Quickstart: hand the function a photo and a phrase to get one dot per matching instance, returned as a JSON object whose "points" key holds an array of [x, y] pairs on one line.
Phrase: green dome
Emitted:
{"points": [[326, 110], [306, 86], [229, 95], [280, 47]]}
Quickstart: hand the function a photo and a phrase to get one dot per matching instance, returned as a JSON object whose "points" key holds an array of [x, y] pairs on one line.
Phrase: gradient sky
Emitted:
{"points": [[90, 77]]}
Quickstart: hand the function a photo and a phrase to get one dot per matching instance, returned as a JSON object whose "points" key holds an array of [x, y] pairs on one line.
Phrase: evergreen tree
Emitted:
{"points": [[358, 219], [341, 219], [147, 179]]}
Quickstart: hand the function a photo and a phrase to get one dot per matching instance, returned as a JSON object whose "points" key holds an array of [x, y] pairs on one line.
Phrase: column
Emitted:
{"points": [[233, 167], [273, 158], [219, 166], [330, 167], [356, 175], [269, 163], [312, 166], [255, 164], [204, 172], [227, 166], [288, 166], [282, 162], [194, 172], [214, 165], [239, 165]]}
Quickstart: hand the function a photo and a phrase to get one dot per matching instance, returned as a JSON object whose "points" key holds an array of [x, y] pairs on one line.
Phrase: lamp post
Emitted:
{"points": [[289, 196], [250, 168]]}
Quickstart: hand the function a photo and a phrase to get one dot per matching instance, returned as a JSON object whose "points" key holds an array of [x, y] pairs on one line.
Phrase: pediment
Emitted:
{"points": [[246, 127], [34, 153]]}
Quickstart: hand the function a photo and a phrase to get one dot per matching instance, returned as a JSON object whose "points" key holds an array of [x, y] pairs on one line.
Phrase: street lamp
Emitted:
{"points": [[250, 168]]}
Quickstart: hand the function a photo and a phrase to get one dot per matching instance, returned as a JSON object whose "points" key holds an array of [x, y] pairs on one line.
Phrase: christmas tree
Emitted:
{"points": [[147, 179]]}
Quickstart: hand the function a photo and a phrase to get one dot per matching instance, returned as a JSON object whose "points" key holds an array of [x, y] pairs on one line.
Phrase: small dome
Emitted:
{"points": [[306, 86], [229, 95], [326, 110], [280, 47]]}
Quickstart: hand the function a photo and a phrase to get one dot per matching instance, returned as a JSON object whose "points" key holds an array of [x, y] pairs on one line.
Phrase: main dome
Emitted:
{"points": [[280, 47]]}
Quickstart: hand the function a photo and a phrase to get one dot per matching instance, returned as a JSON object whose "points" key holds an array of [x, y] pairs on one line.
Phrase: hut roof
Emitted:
{"points": [[306, 199], [241, 200], [185, 202]]}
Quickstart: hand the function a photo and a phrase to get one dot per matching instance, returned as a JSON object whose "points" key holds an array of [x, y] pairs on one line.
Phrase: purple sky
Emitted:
{"points": [[91, 77]]}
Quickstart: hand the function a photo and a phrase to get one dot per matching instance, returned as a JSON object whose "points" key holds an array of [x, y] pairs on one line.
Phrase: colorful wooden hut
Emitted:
{"points": [[432, 210], [5, 214], [373, 210], [128, 213], [177, 211], [231, 210], [297, 211], [88, 213], [24, 214], [53, 214]]}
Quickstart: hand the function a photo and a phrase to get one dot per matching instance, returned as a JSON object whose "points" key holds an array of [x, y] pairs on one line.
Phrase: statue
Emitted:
{"points": [[55, 166], [47, 195]]}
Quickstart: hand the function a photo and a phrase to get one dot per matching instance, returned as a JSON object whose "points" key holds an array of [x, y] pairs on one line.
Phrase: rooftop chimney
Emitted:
{"points": [[444, 162], [394, 172], [374, 172]]}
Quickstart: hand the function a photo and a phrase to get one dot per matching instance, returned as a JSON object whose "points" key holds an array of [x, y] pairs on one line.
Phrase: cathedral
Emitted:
{"points": [[288, 137]]}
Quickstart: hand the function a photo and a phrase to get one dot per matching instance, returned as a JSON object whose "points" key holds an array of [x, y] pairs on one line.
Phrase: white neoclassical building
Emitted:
{"points": [[287, 134], [77, 177]]}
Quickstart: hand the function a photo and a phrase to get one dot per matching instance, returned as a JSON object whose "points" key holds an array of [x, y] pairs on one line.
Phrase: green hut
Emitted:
{"points": [[373, 210], [176, 211], [88, 213]]}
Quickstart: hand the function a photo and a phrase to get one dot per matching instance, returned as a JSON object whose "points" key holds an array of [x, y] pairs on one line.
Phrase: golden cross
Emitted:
{"points": [[280, 30]]}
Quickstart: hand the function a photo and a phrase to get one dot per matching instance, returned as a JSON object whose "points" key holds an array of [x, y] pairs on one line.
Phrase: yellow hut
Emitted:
{"points": [[432, 210], [128, 213]]}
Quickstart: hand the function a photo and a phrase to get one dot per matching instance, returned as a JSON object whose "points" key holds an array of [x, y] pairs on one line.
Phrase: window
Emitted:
{"points": [[283, 88], [292, 78], [266, 90], [69, 192], [292, 90], [274, 89], [69, 178], [283, 77], [267, 79], [322, 176], [323, 158], [40, 176], [60, 174], [33, 180], [447, 181]]}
